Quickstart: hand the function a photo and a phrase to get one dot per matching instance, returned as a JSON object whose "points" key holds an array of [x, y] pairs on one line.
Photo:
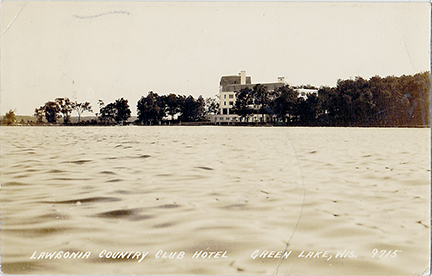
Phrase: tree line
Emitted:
{"points": [[152, 109], [389, 101], [52, 111]]}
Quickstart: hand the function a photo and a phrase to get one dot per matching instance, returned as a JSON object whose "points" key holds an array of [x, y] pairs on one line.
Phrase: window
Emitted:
{"points": [[231, 103], [225, 96], [225, 111], [224, 103], [231, 96]]}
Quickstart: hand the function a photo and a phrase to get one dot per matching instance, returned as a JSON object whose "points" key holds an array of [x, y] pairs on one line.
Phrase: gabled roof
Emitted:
{"points": [[227, 80]]}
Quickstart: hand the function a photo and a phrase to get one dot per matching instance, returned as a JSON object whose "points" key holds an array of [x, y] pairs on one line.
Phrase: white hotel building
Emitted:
{"points": [[230, 85]]}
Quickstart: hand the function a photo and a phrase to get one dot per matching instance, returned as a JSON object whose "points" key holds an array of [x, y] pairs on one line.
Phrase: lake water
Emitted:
{"points": [[215, 200]]}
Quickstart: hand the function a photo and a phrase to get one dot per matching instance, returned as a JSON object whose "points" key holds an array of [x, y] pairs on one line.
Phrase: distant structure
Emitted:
{"points": [[305, 92], [230, 85]]}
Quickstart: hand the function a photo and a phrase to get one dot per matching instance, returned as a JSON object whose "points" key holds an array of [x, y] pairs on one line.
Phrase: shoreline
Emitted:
{"points": [[211, 124]]}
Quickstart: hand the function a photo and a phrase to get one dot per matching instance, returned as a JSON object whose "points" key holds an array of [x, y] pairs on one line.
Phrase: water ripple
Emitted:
{"points": [[79, 162], [169, 206], [84, 200], [128, 214]]}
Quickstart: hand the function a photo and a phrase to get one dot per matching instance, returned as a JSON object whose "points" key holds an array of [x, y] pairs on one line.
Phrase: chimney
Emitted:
{"points": [[281, 79], [243, 77]]}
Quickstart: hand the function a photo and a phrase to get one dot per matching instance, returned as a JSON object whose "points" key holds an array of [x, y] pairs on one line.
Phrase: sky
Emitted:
{"points": [[88, 51]]}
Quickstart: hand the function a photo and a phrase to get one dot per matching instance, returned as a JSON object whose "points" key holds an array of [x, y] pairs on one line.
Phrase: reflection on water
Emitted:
{"points": [[225, 191]]}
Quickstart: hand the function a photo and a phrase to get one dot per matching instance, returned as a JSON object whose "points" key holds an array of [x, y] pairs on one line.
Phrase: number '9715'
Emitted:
{"points": [[385, 253]]}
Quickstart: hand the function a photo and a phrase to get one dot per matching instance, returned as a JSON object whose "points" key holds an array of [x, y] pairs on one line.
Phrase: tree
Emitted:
{"points": [[199, 108], [261, 99], [10, 118], [307, 110], [151, 110], [415, 101], [170, 104], [284, 103], [187, 107], [39, 114], [101, 105], [191, 110], [363, 108], [243, 105], [117, 111], [123, 111], [326, 112], [106, 113], [81, 108], [65, 106], [421, 91], [51, 110], [211, 105]]}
